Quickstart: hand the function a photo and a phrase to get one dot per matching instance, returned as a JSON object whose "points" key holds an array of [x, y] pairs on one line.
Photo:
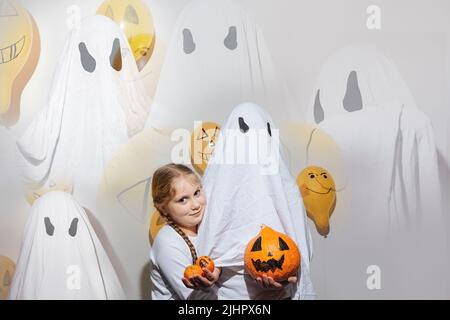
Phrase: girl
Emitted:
{"points": [[178, 196]]}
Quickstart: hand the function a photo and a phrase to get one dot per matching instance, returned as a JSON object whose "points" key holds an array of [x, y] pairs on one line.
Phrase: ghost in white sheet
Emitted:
{"points": [[248, 184], [217, 58], [61, 256], [95, 103], [392, 185]]}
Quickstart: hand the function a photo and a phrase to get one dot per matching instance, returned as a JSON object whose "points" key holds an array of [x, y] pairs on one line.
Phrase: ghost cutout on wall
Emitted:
{"points": [[95, 80], [61, 256], [19, 54], [7, 268], [217, 58]]}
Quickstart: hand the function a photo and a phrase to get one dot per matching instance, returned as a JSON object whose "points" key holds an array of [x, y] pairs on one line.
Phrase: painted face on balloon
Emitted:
{"points": [[7, 268], [136, 21], [19, 53], [319, 196], [203, 141]]}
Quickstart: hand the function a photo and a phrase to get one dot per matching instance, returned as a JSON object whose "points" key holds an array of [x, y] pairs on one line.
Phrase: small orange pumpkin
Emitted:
{"points": [[206, 262], [273, 254], [192, 271]]}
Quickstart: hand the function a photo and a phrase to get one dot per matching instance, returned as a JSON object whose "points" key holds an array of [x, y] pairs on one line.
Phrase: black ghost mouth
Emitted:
{"points": [[329, 190], [269, 265], [11, 52]]}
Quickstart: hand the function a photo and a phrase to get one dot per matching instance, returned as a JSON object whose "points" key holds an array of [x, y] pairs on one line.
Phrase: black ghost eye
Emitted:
{"points": [[230, 40], [49, 228], [131, 15], [115, 58], [242, 125], [268, 129], [283, 244], [318, 110], [188, 41], [73, 227], [87, 61], [7, 279], [352, 100], [257, 245]]}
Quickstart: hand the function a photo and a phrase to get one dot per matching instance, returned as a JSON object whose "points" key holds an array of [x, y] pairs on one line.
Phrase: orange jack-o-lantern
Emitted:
{"points": [[203, 141], [273, 254], [206, 262], [192, 271]]}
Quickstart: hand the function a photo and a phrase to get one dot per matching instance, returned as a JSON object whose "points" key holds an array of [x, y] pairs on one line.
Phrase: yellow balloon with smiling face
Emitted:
{"points": [[135, 20], [319, 196], [203, 142], [19, 53], [7, 268]]}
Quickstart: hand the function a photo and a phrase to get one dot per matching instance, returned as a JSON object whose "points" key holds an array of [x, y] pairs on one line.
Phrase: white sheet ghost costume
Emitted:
{"points": [[217, 59], [94, 105], [253, 189], [391, 183], [61, 256]]}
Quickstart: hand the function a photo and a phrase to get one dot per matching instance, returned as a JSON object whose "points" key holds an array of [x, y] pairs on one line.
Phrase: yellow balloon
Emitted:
{"points": [[319, 196], [7, 268], [32, 193], [136, 21], [156, 223], [19, 53], [203, 141]]}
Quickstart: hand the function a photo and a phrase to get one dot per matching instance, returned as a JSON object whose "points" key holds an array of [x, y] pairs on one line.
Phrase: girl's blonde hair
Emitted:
{"points": [[163, 192]]}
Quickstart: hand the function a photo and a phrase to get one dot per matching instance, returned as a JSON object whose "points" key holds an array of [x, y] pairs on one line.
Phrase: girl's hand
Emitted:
{"points": [[199, 282], [268, 282]]}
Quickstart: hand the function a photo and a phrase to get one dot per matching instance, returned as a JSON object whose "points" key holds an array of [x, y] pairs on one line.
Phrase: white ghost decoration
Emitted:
{"points": [[217, 59], [391, 188], [61, 256], [95, 103], [253, 189]]}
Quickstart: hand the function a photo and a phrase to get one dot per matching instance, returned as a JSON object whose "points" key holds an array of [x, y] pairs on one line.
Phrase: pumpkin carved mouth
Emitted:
{"points": [[269, 265]]}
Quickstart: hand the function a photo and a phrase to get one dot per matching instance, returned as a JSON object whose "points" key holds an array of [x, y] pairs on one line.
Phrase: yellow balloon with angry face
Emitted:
{"points": [[135, 20], [319, 196], [203, 141], [7, 268], [19, 53]]}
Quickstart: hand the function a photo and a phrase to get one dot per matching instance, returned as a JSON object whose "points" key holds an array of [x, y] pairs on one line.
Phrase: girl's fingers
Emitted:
{"points": [[208, 275], [187, 283], [273, 283], [292, 279], [265, 280]]}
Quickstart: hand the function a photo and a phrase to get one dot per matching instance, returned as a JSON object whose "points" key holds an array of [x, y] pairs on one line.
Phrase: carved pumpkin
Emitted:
{"points": [[192, 271], [206, 262], [273, 254]]}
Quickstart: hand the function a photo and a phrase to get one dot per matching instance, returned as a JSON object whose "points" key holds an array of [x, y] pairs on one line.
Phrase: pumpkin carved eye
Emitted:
{"points": [[257, 245], [283, 244]]}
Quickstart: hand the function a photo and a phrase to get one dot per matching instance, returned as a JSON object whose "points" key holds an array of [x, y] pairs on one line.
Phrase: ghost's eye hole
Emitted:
{"points": [[87, 61], [318, 109], [131, 15], [257, 245], [115, 58], [311, 175], [242, 125], [188, 41], [230, 40], [268, 129], [352, 100], [73, 227], [283, 244], [7, 279], [324, 175], [49, 228]]}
